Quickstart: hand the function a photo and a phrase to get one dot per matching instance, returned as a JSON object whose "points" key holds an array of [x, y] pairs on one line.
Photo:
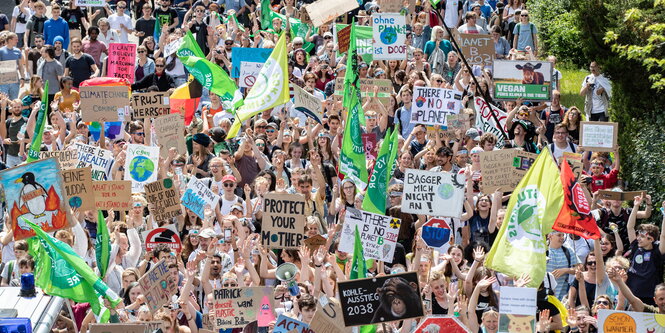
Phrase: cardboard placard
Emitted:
{"points": [[169, 133], [165, 199], [393, 6], [530, 80], [343, 38], [283, 221], [100, 103], [122, 61], [113, 194], [250, 54], [370, 144], [366, 88], [35, 192], [598, 135], [328, 317], [378, 234], [150, 104], [307, 103], [324, 11], [158, 285], [78, 188], [173, 46], [619, 196], [314, 242], [90, 3], [610, 321], [433, 193], [167, 234], [8, 73], [249, 71], [477, 48], [119, 328], [237, 307], [68, 159], [432, 106], [503, 169], [141, 165], [389, 36], [575, 162], [518, 309], [285, 324], [366, 301], [198, 196], [101, 160]]}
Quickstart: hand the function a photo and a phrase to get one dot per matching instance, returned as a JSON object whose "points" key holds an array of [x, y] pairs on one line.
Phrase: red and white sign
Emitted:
{"points": [[249, 71], [448, 324], [437, 234], [579, 199], [163, 235]]}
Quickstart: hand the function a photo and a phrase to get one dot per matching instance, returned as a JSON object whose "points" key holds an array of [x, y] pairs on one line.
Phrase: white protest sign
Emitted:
{"points": [[487, 123], [307, 103], [249, 71], [433, 193], [598, 136], [198, 196], [90, 3], [432, 106], [389, 32], [101, 160], [324, 11], [517, 309], [378, 234], [173, 46], [141, 165]]}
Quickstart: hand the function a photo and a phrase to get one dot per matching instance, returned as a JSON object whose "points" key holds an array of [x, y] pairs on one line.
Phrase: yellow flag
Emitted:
{"points": [[271, 88]]}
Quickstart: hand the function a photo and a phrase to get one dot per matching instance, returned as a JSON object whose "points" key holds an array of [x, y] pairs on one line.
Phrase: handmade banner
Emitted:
{"points": [[380, 299], [432, 106], [389, 36], [477, 48], [169, 133], [613, 321], [150, 104], [237, 307], [121, 61], [103, 103], [285, 324], [328, 317], [529, 80], [8, 73], [78, 188], [198, 196], [249, 71], [598, 136], [35, 192], [517, 312], [165, 199], [141, 165], [307, 103], [378, 234], [367, 89], [167, 234], [324, 11], [101, 160], [158, 285], [433, 193], [113, 195], [90, 3], [503, 169], [488, 123], [283, 221], [68, 159], [247, 54]]}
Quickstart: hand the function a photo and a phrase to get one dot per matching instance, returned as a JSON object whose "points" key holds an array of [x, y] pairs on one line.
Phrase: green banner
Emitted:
{"points": [[364, 40], [525, 91]]}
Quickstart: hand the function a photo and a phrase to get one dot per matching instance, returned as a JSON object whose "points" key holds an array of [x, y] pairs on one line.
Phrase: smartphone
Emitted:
{"points": [[227, 235]]}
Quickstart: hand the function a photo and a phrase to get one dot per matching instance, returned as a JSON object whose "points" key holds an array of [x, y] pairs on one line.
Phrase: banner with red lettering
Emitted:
{"points": [[121, 61], [487, 123]]}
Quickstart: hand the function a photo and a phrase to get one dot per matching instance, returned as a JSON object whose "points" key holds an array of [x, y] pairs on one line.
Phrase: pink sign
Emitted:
{"points": [[121, 61], [369, 141]]}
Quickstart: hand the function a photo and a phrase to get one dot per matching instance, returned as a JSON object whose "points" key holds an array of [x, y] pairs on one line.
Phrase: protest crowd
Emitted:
{"points": [[329, 166]]}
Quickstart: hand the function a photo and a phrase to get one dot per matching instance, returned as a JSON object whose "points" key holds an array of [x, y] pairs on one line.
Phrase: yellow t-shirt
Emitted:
{"points": [[67, 103]]}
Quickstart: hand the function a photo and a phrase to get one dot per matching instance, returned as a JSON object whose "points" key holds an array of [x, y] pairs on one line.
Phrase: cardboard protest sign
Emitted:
{"points": [[35, 192], [433, 193], [367, 88], [141, 165], [150, 104], [324, 11], [121, 61], [315, 242], [598, 136], [237, 307], [488, 122], [370, 144], [249, 71], [169, 132], [378, 234], [447, 324], [530, 80], [248, 54], [307, 103], [90, 3], [575, 162], [198, 196], [619, 196], [389, 36], [8, 72], [283, 220], [610, 321], [285, 324], [503, 169], [167, 234], [103, 103], [78, 188], [395, 6], [119, 328], [477, 48], [371, 301], [68, 159], [158, 285], [328, 317], [432, 106], [517, 312], [113, 195], [165, 199], [343, 38], [101, 160]]}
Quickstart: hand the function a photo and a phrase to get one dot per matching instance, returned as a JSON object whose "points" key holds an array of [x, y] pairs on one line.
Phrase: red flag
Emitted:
{"points": [[575, 215]]}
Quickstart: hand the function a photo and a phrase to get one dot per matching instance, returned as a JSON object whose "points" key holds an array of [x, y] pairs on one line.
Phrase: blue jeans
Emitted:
{"points": [[13, 161], [11, 90]]}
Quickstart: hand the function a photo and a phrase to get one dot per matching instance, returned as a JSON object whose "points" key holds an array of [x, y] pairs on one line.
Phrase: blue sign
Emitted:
{"points": [[239, 54]]}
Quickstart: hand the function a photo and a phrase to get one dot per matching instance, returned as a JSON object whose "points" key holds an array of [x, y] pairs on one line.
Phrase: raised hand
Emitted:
{"points": [[523, 280], [479, 254]]}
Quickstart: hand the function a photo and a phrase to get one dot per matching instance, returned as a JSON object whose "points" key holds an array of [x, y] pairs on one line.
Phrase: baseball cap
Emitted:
{"points": [[473, 134], [207, 233], [228, 178], [238, 207]]}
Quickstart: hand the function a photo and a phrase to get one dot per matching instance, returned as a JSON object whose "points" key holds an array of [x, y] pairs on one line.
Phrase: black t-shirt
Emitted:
{"points": [[201, 31], [590, 291], [645, 271], [13, 128], [553, 118], [80, 69], [73, 17], [145, 26], [165, 17]]}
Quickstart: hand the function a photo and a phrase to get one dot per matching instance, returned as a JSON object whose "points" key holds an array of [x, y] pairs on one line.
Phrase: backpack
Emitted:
{"points": [[533, 38], [565, 252]]}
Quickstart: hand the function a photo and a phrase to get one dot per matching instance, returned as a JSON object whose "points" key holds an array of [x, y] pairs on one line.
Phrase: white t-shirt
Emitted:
{"points": [[452, 13], [116, 22], [20, 27]]}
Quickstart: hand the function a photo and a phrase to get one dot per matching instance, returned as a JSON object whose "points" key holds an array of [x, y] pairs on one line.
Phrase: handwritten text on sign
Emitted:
{"points": [[433, 193], [389, 32], [150, 104], [598, 136], [102, 103], [283, 220], [432, 106], [378, 234], [165, 199], [478, 49], [198, 196], [236, 307], [112, 195], [101, 160], [158, 285], [122, 61]]}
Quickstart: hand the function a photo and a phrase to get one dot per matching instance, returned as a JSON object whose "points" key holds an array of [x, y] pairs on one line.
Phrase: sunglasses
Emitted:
{"points": [[270, 131], [228, 43], [327, 37], [439, 80], [260, 144], [261, 127], [199, 11], [591, 263], [229, 185], [603, 302], [229, 285], [159, 65], [140, 133], [141, 51], [524, 15], [121, 7]]}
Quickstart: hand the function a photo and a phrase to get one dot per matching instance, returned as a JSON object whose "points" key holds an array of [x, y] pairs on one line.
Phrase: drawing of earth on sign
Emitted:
{"points": [[141, 168], [388, 36], [445, 191], [420, 101]]}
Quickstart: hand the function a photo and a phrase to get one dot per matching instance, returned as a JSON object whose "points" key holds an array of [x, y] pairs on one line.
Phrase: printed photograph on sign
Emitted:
{"points": [[598, 136], [529, 80], [378, 234], [432, 106], [389, 36], [433, 193]]}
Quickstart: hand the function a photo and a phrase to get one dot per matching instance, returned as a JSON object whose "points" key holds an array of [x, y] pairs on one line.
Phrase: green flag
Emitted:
{"points": [[351, 75], [266, 18], [352, 157], [35, 146], [189, 47], [358, 267], [375, 198], [102, 245], [61, 272]]}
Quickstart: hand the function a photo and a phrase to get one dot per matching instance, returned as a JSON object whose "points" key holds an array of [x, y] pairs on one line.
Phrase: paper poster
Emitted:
{"points": [[113, 195], [165, 199], [78, 188], [389, 36], [141, 165], [487, 123], [378, 234], [68, 159], [447, 324], [285, 324], [529, 80], [503, 169], [283, 224], [150, 104], [167, 234], [101, 160], [610, 321], [432, 106], [36, 193], [373, 300], [433, 193], [477, 48], [169, 133], [237, 307], [103, 103], [370, 144], [367, 89], [248, 54], [307, 103], [173, 46], [328, 317], [598, 136], [121, 61], [119, 328], [158, 285], [249, 71], [8, 73], [198, 196], [517, 312], [90, 3], [324, 11]]}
